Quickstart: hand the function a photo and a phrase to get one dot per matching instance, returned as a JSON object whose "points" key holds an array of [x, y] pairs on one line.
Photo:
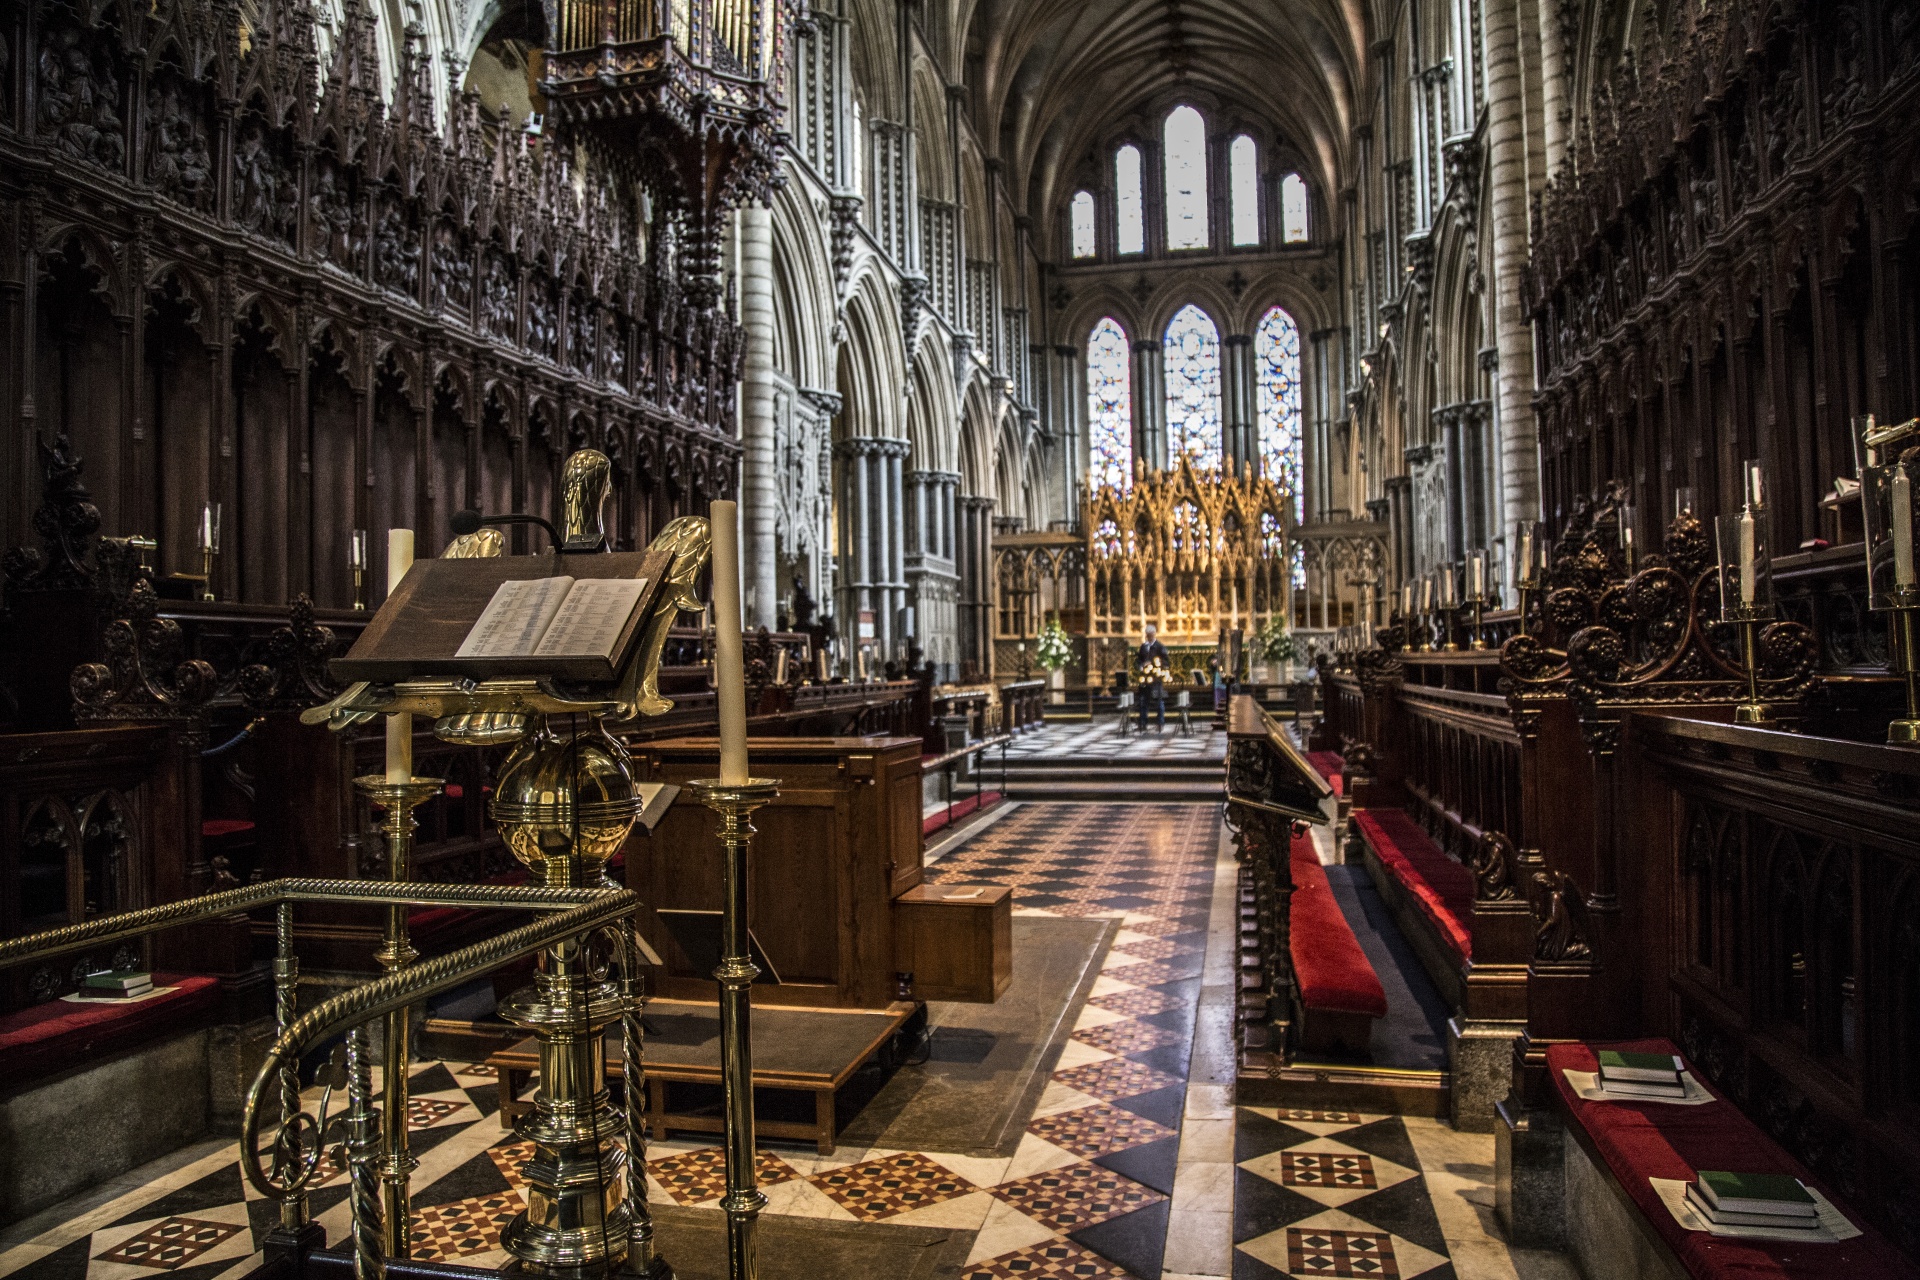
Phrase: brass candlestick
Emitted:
{"points": [[1906, 733], [1752, 711], [398, 799], [1479, 604], [735, 974]]}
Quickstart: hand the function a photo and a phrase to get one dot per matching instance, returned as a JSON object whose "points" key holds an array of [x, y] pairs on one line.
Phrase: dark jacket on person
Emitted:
{"points": [[1148, 652]]}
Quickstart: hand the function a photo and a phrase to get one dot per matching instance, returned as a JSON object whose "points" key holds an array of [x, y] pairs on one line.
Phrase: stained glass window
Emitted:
{"points": [[1293, 209], [1243, 189], [1129, 207], [1276, 362], [1083, 225], [1186, 148], [1191, 350], [1109, 406]]}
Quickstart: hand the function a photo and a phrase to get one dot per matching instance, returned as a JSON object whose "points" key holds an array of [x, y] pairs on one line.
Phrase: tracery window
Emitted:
{"points": [[1083, 239], [1192, 354], [1130, 215], [1243, 190], [1293, 209], [1186, 157], [1276, 359], [1109, 406]]}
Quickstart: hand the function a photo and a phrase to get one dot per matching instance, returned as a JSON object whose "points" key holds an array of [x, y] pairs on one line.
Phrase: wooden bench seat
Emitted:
{"points": [[50, 1037], [1621, 1145], [1334, 984], [1429, 894]]}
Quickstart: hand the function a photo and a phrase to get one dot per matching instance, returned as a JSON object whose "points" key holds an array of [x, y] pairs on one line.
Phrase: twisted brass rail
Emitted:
{"points": [[271, 893], [405, 986]]}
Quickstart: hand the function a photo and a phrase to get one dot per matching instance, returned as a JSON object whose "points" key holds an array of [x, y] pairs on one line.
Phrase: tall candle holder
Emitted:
{"points": [[398, 798], [1477, 596], [1449, 606], [357, 561], [1529, 547], [735, 804], [1426, 614], [1746, 586], [1888, 487], [209, 536]]}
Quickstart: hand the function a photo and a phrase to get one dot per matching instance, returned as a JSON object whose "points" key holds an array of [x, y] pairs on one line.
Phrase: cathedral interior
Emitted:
{"points": [[963, 639]]}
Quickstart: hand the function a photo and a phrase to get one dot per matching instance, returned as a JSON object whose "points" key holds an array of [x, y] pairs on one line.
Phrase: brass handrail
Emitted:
{"points": [[132, 924], [596, 909]]}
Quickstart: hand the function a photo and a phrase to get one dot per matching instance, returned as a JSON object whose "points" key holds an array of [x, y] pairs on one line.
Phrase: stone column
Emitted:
{"points": [[892, 462], [1149, 406], [759, 485], [1069, 399], [1238, 402], [1513, 335]]}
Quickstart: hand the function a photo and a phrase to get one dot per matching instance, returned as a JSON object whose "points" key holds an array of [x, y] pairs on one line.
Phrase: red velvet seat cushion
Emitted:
{"points": [[961, 808], [213, 828], [1328, 964], [51, 1037], [1441, 887], [1332, 766], [1638, 1141]]}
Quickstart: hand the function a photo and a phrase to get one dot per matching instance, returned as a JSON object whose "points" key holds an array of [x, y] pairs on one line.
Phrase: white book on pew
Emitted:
{"points": [[1731, 1218]]}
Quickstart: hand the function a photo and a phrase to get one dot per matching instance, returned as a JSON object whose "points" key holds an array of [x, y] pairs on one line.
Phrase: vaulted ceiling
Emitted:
{"points": [[1050, 78]]}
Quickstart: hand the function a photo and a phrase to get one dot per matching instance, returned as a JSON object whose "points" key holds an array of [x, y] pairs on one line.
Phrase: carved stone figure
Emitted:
{"points": [[178, 162], [331, 215], [498, 301], [79, 101], [396, 251], [452, 270]]}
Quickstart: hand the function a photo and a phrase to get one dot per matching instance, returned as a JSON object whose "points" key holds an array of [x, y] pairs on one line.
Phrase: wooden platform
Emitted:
{"points": [[805, 1050]]}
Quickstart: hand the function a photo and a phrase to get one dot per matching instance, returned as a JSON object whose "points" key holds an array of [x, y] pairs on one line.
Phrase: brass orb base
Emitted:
{"points": [[1903, 733], [1752, 713]]}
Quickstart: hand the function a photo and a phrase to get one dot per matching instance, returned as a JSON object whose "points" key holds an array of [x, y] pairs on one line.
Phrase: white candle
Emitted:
{"points": [[1477, 573], [728, 672], [400, 727], [1902, 528], [1746, 557], [1524, 562]]}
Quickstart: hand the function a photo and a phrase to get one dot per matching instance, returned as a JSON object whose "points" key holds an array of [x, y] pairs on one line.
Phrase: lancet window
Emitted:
{"points": [[1082, 224], [1186, 156], [1192, 353], [1293, 209], [1276, 355], [1130, 214], [1243, 190], [1109, 406]]}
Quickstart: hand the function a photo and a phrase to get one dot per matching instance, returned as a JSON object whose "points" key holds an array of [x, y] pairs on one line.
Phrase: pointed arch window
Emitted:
{"points": [[1243, 190], [1109, 406], [1130, 215], [1293, 209], [1082, 224], [1191, 350], [1186, 153], [1276, 361]]}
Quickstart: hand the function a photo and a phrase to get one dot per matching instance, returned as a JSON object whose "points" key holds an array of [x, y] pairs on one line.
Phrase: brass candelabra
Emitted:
{"points": [[735, 803], [1750, 617]]}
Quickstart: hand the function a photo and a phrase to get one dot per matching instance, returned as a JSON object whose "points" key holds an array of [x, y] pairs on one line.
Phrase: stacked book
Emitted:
{"points": [[1641, 1075], [1753, 1200], [122, 984]]}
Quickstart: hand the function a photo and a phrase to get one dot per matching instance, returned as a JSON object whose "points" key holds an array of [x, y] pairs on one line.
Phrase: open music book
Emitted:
{"points": [[559, 617]]}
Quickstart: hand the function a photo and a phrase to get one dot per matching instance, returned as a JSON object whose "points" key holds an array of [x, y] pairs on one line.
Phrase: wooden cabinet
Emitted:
{"points": [[841, 841], [956, 941]]}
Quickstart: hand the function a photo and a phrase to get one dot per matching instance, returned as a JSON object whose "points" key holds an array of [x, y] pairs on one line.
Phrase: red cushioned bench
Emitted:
{"points": [[1334, 984], [50, 1037], [1429, 894], [1619, 1145], [1332, 766]]}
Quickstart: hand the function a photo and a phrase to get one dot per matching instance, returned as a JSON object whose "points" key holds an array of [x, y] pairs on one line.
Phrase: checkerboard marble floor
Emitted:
{"points": [[1088, 1192], [1101, 740]]}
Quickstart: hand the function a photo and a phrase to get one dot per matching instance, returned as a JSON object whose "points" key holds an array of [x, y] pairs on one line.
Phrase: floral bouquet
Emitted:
{"points": [[1054, 649], [1154, 671]]}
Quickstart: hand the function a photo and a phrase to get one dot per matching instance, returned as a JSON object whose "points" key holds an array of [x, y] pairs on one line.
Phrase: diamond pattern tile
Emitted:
{"points": [[1115, 1078], [876, 1189], [1097, 1130], [1052, 1260], [1077, 1196], [463, 1227], [171, 1243], [699, 1176]]}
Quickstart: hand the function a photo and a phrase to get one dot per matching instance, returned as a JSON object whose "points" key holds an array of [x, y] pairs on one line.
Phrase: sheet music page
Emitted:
{"points": [[516, 618], [589, 623]]}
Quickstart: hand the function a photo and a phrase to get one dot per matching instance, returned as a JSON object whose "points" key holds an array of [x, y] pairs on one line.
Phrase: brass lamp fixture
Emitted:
{"points": [[1889, 478], [1746, 584]]}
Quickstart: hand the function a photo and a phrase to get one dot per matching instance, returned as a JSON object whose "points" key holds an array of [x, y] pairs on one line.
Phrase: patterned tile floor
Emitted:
{"points": [[1089, 1192], [1101, 741]]}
